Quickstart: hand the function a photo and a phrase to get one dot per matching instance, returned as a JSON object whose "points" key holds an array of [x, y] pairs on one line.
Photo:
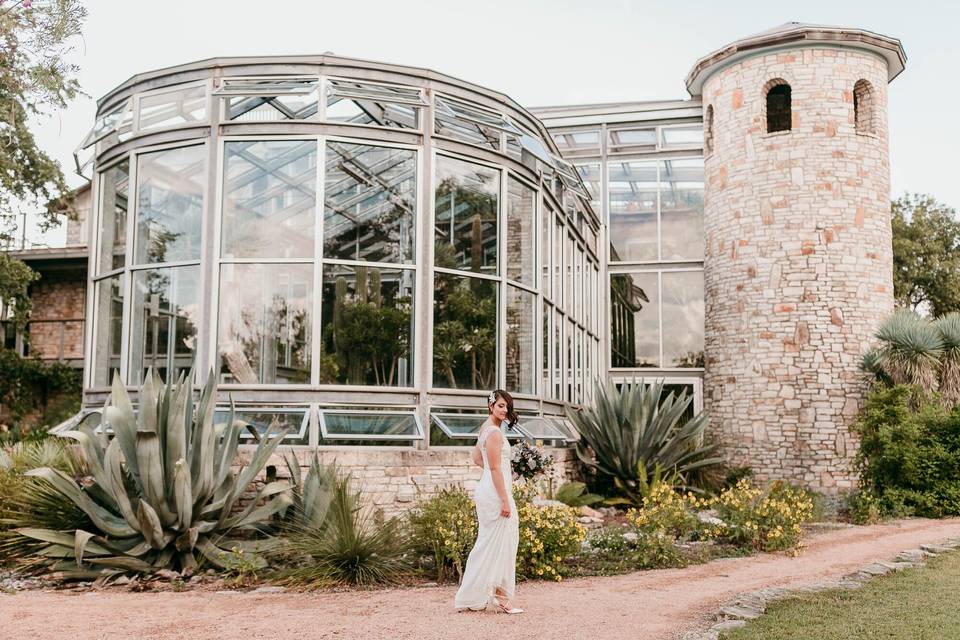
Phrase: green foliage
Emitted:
{"points": [[464, 335], [573, 494], [910, 351], [548, 535], [762, 519], [335, 541], [35, 79], [368, 337], [30, 502], [629, 433], [949, 328], [665, 513], [926, 254], [29, 385], [161, 493], [444, 527], [909, 456]]}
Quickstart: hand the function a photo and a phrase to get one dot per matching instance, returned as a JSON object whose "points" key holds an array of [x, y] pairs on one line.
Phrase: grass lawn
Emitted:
{"points": [[915, 604]]}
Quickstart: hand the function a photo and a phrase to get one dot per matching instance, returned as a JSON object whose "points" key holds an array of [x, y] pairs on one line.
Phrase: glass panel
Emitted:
{"points": [[691, 136], [681, 209], [382, 425], [109, 317], [578, 143], [466, 203], [590, 175], [164, 315], [370, 203], [634, 320], [170, 186], [568, 269], [542, 429], [635, 139], [269, 199], [171, 108], [265, 319], [467, 124], [633, 211], [271, 100], [367, 326], [521, 254], [464, 332], [683, 310], [557, 355], [546, 253], [296, 421], [377, 105], [114, 194], [547, 334], [578, 283], [460, 429], [558, 240], [520, 339]]}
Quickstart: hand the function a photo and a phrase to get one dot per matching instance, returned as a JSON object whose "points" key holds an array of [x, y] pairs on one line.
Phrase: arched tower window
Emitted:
{"points": [[779, 113], [863, 107], [708, 131]]}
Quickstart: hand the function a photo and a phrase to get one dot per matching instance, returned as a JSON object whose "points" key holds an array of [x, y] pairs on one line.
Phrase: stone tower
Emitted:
{"points": [[798, 264]]}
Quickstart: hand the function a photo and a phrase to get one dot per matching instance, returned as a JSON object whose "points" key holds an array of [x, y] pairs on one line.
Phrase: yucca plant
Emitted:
{"points": [[161, 492], [629, 432], [910, 350], [31, 502], [949, 328], [332, 540]]}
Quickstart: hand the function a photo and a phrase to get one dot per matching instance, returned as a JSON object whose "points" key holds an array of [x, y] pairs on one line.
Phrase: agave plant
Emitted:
{"points": [[573, 494], [333, 540], [161, 492], [949, 328], [629, 432]]}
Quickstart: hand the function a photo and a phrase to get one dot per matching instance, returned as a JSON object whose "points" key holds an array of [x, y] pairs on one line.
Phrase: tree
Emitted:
{"points": [[926, 254], [35, 80]]}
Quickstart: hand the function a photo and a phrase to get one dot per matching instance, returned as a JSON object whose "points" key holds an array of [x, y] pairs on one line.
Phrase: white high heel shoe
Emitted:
{"points": [[503, 608]]}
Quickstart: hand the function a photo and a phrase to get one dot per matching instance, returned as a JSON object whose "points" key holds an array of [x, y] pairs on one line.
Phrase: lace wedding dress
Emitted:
{"points": [[493, 561]]}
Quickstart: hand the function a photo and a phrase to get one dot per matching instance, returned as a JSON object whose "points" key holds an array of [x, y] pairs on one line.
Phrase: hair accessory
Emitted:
{"points": [[492, 397]]}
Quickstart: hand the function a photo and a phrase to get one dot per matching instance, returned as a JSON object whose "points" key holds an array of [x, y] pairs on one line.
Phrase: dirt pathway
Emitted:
{"points": [[647, 605]]}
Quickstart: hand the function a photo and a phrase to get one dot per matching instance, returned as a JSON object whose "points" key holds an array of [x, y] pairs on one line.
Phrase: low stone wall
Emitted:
{"points": [[392, 478]]}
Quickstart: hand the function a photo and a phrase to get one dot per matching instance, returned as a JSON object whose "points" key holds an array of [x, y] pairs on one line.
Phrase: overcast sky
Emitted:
{"points": [[539, 52]]}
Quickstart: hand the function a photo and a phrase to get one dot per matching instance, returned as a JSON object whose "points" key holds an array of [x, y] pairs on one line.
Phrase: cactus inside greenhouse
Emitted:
{"points": [[162, 493]]}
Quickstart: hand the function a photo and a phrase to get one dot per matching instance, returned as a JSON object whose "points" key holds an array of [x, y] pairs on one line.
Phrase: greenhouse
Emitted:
{"points": [[358, 251]]}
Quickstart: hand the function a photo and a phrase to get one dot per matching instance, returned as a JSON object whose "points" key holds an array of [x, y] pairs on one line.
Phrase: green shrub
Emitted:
{"points": [[651, 550], [665, 514], [762, 519], [909, 456], [628, 432], [161, 493], [333, 540], [444, 527], [572, 494], [548, 535]]}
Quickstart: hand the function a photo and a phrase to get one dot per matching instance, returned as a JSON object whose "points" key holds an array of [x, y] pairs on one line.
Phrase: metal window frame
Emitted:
{"points": [[326, 436], [302, 434]]}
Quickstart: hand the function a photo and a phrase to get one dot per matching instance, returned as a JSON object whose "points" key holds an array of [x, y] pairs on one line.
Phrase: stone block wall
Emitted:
{"points": [[798, 265], [392, 478]]}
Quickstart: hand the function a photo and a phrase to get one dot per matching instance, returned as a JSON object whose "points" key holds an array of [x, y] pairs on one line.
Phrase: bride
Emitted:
{"points": [[490, 574]]}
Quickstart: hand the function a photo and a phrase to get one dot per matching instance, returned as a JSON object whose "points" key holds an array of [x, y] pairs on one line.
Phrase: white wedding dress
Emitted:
{"points": [[493, 560]]}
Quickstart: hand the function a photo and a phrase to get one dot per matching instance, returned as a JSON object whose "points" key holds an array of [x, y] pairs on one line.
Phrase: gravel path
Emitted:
{"points": [[653, 604]]}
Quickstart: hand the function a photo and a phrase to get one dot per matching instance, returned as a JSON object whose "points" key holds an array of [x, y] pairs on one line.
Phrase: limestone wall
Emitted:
{"points": [[798, 265], [391, 478]]}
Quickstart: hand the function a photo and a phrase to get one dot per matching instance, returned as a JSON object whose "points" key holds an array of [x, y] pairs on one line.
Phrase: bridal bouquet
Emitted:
{"points": [[529, 461]]}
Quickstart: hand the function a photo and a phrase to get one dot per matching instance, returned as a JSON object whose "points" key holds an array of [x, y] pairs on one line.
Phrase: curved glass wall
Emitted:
{"points": [[334, 247]]}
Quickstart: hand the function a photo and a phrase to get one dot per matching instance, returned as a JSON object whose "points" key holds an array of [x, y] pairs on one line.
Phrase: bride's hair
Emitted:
{"points": [[512, 417]]}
